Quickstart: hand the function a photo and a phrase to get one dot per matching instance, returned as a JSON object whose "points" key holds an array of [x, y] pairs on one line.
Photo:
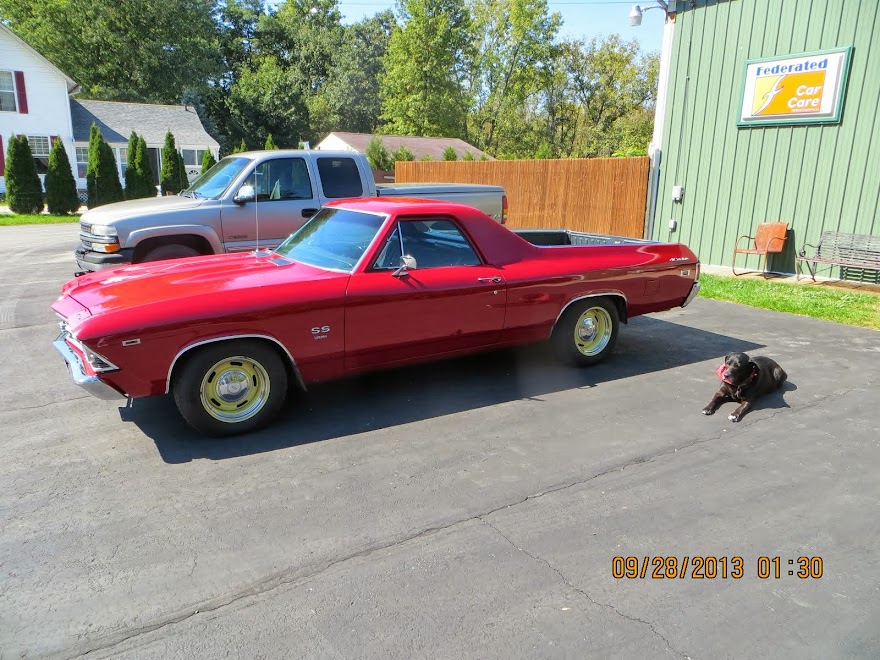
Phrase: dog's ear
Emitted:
{"points": [[727, 357]]}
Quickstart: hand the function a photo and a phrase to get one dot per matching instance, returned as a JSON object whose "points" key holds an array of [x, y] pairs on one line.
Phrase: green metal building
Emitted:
{"points": [[767, 111]]}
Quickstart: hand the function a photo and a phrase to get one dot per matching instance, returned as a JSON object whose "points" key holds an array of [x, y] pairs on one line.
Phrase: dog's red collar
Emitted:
{"points": [[720, 373]]}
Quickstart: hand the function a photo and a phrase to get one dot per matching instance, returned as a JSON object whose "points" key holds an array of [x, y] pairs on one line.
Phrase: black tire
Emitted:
{"points": [[587, 332], [171, 251], [254, 383]]}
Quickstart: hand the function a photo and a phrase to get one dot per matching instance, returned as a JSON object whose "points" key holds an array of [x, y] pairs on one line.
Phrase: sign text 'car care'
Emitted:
{"points": [[805, 88]]}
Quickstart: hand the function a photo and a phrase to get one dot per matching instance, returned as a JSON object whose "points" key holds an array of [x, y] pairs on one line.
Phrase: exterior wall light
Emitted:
{"points": [[635, 14]]}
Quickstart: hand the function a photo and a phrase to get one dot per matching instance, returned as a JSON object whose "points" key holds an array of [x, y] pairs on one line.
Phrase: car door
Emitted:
{"points": [[286, 198], [451, 301]]}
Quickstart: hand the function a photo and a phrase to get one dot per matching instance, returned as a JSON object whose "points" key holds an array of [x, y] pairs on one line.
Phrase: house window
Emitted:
{"points": [[193, 157], [122, 160], [82, 161], [39, 145], [7, 92]]}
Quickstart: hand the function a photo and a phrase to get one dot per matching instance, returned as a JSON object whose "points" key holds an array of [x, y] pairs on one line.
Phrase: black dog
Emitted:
{"points": [[744, 379]]}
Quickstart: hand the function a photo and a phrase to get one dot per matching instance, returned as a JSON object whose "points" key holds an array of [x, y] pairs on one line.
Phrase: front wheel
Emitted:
{"points": [[586, 333], [231, 387], [170, 251]]}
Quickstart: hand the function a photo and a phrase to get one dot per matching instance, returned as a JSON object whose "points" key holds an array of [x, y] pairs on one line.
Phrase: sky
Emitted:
{"points": [[583, 19]]}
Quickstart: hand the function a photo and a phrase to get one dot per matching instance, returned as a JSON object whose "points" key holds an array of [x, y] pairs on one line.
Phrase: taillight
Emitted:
{"points": [[504, 209]]}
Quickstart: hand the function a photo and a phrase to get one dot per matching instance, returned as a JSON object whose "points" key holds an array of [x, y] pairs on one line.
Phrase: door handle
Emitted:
{"points": [[308, 213], [495, 279]]}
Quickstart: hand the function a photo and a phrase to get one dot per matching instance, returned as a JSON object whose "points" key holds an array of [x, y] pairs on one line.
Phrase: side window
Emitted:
{"points": [[282, 179], [433, 244], [340, 178]]}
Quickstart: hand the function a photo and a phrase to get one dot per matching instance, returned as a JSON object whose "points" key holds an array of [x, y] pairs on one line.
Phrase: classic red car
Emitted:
{"points": [[365, 284]]}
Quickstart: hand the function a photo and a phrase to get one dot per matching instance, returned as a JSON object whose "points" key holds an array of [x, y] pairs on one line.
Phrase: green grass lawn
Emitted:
{"points": [[830, 303], [7, 219]]}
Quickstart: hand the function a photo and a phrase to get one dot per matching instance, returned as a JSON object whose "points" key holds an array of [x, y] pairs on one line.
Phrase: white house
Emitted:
{"points": [[35, 101]]}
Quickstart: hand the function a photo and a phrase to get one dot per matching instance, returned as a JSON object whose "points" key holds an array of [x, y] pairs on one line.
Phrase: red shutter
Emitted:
{"points": [[52, 141], [2, 157], [22, 92]]}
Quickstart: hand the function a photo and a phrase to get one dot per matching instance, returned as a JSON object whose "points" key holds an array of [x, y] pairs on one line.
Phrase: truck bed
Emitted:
{"points": [[561, 237]]}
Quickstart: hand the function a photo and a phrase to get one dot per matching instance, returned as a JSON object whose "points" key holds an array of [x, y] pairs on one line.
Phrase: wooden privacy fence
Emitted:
{"points": [[601, 195]]}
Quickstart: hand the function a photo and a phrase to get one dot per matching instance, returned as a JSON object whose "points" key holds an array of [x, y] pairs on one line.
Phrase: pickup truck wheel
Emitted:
{"points": [[587, 331], [173, 251], [231, 387]]}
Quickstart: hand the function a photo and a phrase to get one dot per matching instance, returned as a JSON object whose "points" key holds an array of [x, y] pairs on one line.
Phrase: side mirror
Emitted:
{"points": [[245, 194], [407, 263]]}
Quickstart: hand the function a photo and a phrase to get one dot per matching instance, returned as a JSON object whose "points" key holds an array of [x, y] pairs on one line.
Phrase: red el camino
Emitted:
{"points": [[365, 284]]}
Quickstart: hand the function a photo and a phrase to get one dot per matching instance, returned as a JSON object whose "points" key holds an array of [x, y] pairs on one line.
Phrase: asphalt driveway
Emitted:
{"points": [[469, 509]]}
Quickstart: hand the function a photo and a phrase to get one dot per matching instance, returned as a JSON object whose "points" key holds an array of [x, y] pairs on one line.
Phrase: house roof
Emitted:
{"points": [[420, 146], [72, 85], [117, 120]]}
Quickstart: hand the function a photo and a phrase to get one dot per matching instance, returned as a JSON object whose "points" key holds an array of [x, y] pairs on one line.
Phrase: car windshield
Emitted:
{"points": [[216, 180], [333, 238]]}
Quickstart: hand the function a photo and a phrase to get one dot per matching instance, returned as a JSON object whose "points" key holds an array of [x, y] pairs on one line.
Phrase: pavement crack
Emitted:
{"points": [[583, 593]]}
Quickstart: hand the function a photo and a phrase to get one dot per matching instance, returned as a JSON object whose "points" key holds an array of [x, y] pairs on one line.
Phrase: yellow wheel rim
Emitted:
{"points": [[592, 332], [235, 389]]}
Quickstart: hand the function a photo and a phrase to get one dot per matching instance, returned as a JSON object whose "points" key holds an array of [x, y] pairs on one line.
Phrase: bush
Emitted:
{"points": [[269, 143], [377, 155], [24, 192], [173, 178], [145, 180], [208, 161], [61, 195], [402, 154], [449, 154], [102, 177], [467, 156]]}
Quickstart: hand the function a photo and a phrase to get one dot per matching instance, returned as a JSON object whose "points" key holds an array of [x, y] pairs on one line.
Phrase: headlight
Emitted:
{"points": [[102, 230]]}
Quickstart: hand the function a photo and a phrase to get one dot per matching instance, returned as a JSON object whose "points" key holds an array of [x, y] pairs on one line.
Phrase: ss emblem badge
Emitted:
{"points": [[320, 332]]}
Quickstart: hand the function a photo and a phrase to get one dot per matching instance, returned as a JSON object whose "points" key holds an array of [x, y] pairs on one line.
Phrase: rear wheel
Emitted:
{"points": [[231, 387], [172, 251], [586, 333]]}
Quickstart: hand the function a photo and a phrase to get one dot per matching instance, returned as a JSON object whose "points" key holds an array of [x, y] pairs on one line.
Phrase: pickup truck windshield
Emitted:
{"points": [[216, 180], [333, 238]]}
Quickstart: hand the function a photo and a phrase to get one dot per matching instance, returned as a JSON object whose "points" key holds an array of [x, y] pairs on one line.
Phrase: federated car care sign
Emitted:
{"points": [[795, 89]]}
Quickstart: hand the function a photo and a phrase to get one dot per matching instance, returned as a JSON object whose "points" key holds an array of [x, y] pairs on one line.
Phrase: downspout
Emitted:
{"points": [[655, 149]]}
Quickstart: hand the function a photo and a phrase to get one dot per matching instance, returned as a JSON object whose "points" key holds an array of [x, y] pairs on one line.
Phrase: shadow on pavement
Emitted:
{"points": [[400, 396]]}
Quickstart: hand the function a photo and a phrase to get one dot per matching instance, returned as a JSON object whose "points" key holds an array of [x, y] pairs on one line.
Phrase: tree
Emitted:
{"points": [[352, 87], [173, 177], [24, 192], [102, 177], [515, 44], [208, 160], [61, 195], [269, 144], [147, 51], [378, 156], [449, 153], [146, 179], [423, 85], [132, 184]]}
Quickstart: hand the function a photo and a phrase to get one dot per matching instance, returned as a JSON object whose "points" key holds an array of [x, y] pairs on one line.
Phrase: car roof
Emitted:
{"points": [[402, 205]]}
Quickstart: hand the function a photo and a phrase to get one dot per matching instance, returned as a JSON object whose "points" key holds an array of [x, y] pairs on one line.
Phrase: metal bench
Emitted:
{"points": [[768, 238], [858, 251]]}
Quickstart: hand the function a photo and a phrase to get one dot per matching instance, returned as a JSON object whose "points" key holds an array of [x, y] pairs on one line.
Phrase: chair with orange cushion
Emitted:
{"points": [[769, 238]]}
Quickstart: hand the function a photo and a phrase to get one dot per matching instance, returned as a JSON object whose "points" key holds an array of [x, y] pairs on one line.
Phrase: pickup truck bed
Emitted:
{"points": [[560, 237]]}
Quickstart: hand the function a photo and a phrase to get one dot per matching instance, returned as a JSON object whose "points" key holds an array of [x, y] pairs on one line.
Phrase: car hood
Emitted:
{"points": [[197, 286], [108, 213]]}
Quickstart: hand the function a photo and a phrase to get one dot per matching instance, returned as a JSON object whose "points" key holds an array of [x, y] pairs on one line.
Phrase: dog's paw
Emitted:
{"points": [[733, 418], [708, 411]]}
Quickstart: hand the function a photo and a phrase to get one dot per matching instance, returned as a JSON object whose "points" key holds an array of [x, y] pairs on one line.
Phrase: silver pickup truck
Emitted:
{"points": [[248, 200]]}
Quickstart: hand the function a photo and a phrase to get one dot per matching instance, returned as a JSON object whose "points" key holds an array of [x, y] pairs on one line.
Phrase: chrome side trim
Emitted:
{"points": [[188, 348], [91, 384], [695, 289], [604, 294]]}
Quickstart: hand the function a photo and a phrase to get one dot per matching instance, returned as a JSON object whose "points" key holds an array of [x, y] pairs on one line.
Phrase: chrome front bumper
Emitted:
{"points": [[695, 289], [91, 384]]}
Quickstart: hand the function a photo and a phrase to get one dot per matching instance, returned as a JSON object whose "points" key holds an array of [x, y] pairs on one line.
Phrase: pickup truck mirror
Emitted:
{"points": [[407, 262], [245, 194]]}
